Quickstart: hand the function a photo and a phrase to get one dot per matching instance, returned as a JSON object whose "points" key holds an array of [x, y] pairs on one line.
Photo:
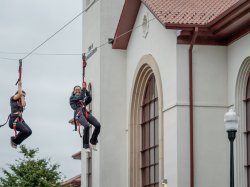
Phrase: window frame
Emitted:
{"points": [[147, 145], [247, 132]]}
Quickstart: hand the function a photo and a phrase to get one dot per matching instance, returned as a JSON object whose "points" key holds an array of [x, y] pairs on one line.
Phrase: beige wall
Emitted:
{"points": [[210, 104], [238, 72]]}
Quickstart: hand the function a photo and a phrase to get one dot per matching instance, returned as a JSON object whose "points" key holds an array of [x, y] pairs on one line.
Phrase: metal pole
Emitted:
{"points": [[231, 137]]}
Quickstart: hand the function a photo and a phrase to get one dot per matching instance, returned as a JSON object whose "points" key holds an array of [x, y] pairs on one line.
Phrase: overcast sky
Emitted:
{"points": [[48, 80]]}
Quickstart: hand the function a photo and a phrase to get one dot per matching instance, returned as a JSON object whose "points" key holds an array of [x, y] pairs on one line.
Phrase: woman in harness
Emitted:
{"points": [[79, 99], [16, 122]]}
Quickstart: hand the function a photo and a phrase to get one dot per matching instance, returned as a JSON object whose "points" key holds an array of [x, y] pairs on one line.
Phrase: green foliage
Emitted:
{"points": [[30, 171]]}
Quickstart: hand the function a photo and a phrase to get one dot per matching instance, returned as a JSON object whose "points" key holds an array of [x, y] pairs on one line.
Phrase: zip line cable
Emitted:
{"points": [[58, 31], [68, 54], [11, 59], [125, 33], [42, 54]]}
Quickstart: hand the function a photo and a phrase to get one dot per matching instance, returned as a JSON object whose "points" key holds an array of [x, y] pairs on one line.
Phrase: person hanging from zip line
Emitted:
{"points": [[16, 121], [79, 99]]}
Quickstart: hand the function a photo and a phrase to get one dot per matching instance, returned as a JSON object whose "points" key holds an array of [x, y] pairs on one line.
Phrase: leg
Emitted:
{"points": [[93, 121], [24, 132], [82, 120]]}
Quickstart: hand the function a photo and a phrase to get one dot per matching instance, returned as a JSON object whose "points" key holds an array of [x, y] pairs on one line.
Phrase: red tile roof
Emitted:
{"points": [[77, 156], [198, 12], [74, 182], [220, 22]]}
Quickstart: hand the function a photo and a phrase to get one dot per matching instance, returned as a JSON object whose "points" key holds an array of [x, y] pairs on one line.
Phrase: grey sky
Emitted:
{"points": [[48, 80]]}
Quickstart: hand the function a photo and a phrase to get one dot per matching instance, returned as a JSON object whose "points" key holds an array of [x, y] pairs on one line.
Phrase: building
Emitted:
{"points": [[75, 181], [161, 90]]}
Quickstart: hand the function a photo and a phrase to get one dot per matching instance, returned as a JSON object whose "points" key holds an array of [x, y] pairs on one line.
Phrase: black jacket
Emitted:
{"points": [[76, 101], [15, 105]]}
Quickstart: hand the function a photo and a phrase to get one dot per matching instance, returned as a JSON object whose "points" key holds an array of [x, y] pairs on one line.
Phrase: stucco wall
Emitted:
{"points": [[237, 53], [113, 155], [210, 104]]}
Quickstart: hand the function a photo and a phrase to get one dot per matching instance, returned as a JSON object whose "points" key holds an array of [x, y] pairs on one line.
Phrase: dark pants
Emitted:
{"points": [[85, 122], [23, 128]]}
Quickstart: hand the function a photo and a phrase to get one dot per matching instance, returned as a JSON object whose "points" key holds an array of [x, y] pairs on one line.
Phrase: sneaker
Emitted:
{"points": [[12, 143], [87, 150], [93, 147]]}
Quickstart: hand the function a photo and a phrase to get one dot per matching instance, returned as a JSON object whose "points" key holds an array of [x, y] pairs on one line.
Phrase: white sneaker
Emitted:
{"points": [[93, 147], [12, 143], [87, 150]]}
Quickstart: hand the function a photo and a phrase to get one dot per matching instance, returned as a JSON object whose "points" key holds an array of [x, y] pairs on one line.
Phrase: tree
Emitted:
{"points": [[30, 171]]}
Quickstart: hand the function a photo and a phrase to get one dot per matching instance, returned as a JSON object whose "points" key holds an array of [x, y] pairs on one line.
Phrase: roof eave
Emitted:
{"points": [[211, 28]]}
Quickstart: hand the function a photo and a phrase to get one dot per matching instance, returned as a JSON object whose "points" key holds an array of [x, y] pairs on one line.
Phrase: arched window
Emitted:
{"points": [[248, 129], [150, 136]]}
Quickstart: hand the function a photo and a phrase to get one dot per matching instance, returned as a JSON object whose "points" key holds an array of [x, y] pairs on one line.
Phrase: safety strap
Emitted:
{"points": [[5, 122], [87, 115], [20, 71], [77, 124], [18, 119], [14, 128]]}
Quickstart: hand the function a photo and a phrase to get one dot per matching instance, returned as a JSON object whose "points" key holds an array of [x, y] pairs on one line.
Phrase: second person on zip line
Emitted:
{"points": [[79, 99]]}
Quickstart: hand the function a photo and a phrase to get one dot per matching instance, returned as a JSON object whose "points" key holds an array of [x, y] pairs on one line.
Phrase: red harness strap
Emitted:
{"points": [[78, 124], [14, 128], [87, 115], [18, 119]]}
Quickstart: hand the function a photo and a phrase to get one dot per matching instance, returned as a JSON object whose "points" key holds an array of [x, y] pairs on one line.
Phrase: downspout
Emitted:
{"points": [[191, 112]]}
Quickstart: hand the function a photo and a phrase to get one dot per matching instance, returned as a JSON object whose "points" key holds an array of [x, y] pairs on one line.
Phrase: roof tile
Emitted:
{"points": [[198, 12]]}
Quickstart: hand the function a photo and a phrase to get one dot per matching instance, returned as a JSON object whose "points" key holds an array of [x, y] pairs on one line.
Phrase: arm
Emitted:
{"points": [[75, 98], [88, 98], [19, 93], [23, 102], [72, 103]]}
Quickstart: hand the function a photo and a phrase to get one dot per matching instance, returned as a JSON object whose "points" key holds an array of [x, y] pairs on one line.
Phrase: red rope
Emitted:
{"points": [[20, 71], [84, 64]]}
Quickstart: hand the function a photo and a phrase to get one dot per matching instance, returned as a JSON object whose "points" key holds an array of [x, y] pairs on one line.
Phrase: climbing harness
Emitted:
{"points": [[18, 119], [77, 123]]}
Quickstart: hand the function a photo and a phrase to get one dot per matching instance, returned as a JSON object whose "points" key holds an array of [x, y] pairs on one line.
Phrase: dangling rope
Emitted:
{"points": [[5, 122], [20, 71]]}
